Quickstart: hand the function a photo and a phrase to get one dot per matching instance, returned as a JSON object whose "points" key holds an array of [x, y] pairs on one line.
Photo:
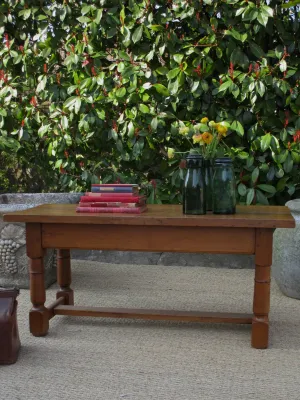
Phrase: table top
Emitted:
{"points": [[164, 215]]}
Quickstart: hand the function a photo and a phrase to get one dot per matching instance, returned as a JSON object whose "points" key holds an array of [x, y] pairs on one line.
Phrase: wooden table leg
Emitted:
{"points": [[38, 315], [261, 301], [64, 276]]}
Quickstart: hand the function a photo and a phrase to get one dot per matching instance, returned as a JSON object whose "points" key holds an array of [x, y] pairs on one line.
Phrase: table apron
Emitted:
{"points": [[149, 238]]}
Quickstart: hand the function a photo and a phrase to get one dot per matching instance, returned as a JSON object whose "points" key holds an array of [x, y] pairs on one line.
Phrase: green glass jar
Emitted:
{"points": [[194, 186], [208, 164], [224, 199]]}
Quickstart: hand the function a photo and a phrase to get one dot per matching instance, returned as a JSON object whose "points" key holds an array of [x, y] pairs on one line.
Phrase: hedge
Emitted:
{"points": [[97, 90]]}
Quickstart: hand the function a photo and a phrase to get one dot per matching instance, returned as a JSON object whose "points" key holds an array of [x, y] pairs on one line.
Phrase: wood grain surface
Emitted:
{"points": [[188, 239], [171, 315], [167, 215]]}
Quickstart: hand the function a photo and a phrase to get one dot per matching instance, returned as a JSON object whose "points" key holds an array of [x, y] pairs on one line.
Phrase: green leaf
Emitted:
{"points": [[267, 188], [204, 85], [161, 89], [41, 17], [42, 84], [267, 10], [240, 11], [265, 141], [83, 19], [173, 73], [255, 174], [237, 127], [98, 16], [42, 130], [154, 123], [243, 155], [162, 70], [256, 50], [225, 85], [237, 35], [137, 34], [250, 196], [156, 28], [178, 58], [261, 198], [111, 32], [242, 189], [85, 10], [25, 13], [70, 101], [282, 65], [130, 129], [239, 58], [281, 184], [250, 161], [173, 87], [64, 122], [150, 55], [262, 18], [121, 92], [288, 164], [195, 86], [50, 149], [260, 87], [144, 109], [18, 59], [77, 105]]}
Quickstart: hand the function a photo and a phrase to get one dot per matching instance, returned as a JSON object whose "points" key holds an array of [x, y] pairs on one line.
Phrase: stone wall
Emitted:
{"points": [[179, 259]]}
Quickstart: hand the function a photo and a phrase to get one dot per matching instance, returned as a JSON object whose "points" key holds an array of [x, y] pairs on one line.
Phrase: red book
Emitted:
{"points": [[112, 198], [121, 210], [111, 204]]}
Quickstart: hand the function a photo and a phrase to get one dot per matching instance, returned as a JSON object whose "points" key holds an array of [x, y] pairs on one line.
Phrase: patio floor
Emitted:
{"points": [[93, 358]]}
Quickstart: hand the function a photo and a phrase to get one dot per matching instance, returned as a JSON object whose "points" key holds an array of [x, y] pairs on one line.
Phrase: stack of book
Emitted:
{"points": [[112, 198]]}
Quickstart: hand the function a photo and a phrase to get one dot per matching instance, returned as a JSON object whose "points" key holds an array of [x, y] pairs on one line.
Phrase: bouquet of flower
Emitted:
{"points": [[205, 137]]}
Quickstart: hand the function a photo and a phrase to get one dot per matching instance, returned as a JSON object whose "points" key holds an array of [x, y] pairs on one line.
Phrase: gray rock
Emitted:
{"points": [[286, 255], [117, 257], [13, 258], [207, 260], [34, 199]]}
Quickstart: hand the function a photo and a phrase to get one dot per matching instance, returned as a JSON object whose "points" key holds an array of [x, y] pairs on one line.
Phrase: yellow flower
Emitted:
{"points": [[222, 130], [204, 120], [184, 130], [207, 137], [198, 138], [212, 124], [170, 152]]}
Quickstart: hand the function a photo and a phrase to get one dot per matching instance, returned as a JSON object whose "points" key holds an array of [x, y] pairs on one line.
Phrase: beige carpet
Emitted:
{"points": [[105, 359]]}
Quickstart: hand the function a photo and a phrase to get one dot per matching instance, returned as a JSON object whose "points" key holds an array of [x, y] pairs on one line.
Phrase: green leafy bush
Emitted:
{"points": [[98, 89]]}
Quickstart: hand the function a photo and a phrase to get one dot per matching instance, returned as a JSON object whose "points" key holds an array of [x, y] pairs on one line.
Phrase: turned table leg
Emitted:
{"points": [[38, 315], [64, 276], [261, 301]]}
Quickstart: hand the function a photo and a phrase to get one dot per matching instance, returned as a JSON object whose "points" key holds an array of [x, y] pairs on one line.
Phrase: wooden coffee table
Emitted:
{"points": [[161, 228]]}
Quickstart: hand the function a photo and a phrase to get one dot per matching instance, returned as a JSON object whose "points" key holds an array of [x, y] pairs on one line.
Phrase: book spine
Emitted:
{"points": [[113, 189], [110, 204], [114, 185], [111, 198], [123, 210], [107, 194]]}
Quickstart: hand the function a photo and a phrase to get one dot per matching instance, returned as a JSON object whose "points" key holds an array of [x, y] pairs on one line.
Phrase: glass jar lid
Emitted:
{"points": [[223, 160], [194, 160]]}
